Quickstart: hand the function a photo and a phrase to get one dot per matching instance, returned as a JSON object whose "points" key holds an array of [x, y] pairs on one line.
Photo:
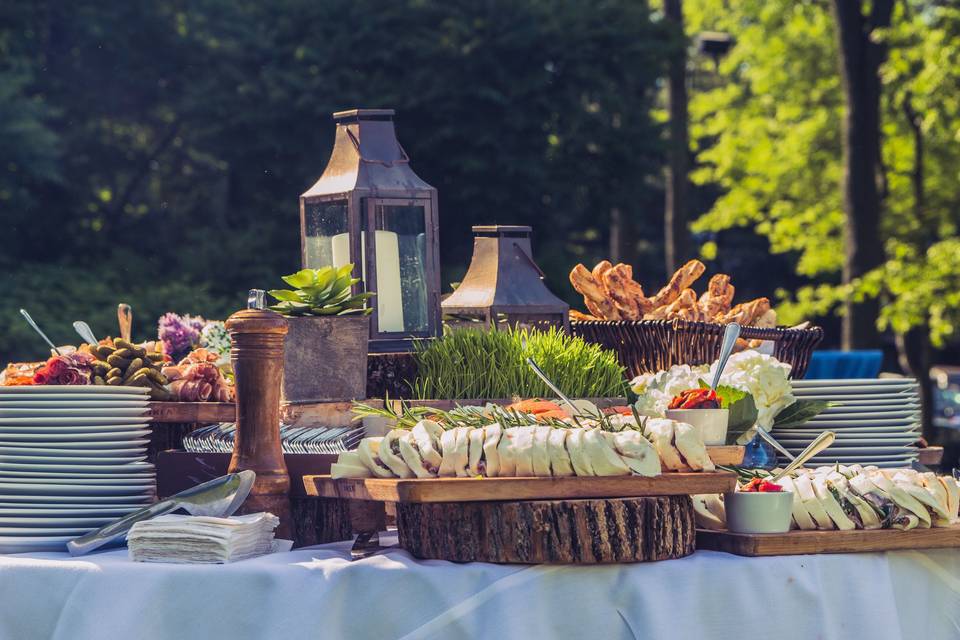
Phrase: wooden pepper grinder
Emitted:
{"points": [[257, 337]]}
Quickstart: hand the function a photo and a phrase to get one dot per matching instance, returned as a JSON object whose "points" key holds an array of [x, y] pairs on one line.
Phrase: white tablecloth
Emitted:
{"points": [[319, 593]]}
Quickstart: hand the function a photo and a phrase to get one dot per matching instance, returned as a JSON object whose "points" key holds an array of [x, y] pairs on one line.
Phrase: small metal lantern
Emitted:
{"points": [[504, 284], [368, 190]]}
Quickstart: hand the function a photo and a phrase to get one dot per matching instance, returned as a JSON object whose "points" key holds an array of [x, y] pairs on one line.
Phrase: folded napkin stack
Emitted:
{"points": [[199, 539]]}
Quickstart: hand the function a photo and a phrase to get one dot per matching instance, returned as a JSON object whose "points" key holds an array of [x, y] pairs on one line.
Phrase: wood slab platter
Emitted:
{"points": [[499, 489], [811, 542]]}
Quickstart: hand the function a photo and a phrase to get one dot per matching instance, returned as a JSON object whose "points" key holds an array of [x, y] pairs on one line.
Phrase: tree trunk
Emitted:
{"points": [[860, 58], [549, 531], [914, 354], [676, 234]]}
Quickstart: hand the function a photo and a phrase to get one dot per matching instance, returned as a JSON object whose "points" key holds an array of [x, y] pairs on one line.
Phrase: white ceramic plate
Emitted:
{"points": [[27, 532], [131, 452], [830, 394], [847, 459], [852, 382], [73, 406], [26, 523], [860, 431], [26, 544], [69, 415], [68, 439], [862, 451], [6, 430], [133, 467], [831, 423], [66, 501], [73, 422], [896, 464], [97, 460], [46, 477], [76, 511], [85, 399], [904, 400], [88, 490], [867, 415], [855, 391], [85, 389], [839, 408], [877, 440]]}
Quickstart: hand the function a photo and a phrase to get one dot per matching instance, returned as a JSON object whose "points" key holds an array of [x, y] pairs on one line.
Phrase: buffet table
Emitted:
{"points": [[317, 592]]}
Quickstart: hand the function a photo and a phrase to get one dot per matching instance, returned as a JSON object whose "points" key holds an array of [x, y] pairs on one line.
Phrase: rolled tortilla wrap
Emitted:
{"points": [[604, 460], [491, 456], [636, 452], [368, 452], [390, 455], [578, 454], [541, 452], [560, 466]]}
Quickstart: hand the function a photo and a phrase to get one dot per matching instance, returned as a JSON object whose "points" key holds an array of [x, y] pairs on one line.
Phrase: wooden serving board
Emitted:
{"points": [[812, 542], [500, 489]]}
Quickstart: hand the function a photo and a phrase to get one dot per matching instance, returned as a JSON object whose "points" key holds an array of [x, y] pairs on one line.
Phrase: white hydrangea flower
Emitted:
{"points": [[764, 377]]}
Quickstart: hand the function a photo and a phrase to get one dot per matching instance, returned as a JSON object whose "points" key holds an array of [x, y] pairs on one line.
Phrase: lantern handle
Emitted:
{"points": [[529, 259], [404, 159]]}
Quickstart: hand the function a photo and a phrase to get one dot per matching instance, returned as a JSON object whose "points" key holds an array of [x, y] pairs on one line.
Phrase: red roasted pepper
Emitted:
{"points": [[696, 399], [759, 485]]}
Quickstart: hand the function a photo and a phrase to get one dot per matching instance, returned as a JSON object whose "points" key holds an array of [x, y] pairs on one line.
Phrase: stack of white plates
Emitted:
{"points": [[877, 421], [72, 459]]}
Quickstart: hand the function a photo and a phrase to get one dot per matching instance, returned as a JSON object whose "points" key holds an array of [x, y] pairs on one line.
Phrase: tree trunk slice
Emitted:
{"points": [[596, 531]]}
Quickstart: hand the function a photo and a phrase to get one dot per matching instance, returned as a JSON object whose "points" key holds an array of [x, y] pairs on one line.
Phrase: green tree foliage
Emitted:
{"points": [[158, 149], [769, 135]]}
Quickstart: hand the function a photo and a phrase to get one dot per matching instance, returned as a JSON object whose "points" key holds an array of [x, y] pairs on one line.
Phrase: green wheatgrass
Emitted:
{"points": [[475, 364]]}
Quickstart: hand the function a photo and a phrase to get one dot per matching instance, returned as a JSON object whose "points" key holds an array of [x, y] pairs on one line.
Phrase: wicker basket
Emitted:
{"points": [[648, 346]]}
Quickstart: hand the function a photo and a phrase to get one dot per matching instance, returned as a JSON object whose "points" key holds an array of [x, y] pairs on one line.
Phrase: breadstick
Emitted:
{"points": [[594, 297], [682, 279], [626, 293], [718, 297]]}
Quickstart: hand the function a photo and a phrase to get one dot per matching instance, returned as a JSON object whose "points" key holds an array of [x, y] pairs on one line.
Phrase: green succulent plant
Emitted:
{"points": [[320, 292]]}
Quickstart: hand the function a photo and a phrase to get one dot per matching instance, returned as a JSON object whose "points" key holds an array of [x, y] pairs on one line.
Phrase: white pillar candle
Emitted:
{"points": [[389, 296]]}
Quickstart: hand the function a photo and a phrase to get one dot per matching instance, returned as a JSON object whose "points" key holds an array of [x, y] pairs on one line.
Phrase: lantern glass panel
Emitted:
{"points": [[326, 241], [401, 248]]}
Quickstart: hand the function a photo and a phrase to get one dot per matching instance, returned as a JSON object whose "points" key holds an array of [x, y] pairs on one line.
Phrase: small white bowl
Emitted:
{"points": [[755, 512], [710, 423]]}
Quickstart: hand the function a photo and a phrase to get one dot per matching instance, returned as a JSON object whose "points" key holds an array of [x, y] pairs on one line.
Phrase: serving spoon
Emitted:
{"points": [[730, 335], [85, 332], [125, 319], [822, 441], [537, 370], [36, 328]]}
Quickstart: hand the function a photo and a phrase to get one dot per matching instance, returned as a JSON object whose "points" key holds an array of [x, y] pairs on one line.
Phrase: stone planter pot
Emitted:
{"points": [[325, 359]]}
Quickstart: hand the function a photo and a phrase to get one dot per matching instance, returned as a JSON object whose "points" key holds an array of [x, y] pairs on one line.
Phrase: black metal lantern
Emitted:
{"points": [[368, 191], [504, 284]]}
